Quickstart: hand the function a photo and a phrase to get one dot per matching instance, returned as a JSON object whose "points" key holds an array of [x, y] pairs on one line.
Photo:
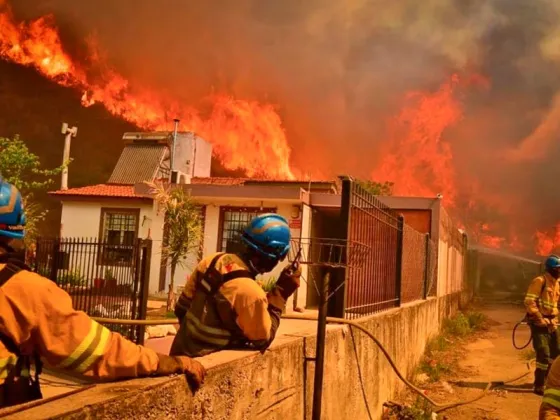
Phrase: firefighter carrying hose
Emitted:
{"points": [[222, 306], [37, 321], [541, 302]]}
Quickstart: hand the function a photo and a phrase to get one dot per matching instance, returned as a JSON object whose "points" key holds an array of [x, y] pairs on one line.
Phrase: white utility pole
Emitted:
{"points": [[69, 133]]}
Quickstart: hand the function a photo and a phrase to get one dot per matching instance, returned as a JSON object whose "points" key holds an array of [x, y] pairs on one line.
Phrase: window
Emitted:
{"points": [[232, 222], [118, 231]]}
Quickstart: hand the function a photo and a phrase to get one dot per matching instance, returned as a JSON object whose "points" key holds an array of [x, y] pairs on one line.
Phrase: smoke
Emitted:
{"points": [[339, 70]]}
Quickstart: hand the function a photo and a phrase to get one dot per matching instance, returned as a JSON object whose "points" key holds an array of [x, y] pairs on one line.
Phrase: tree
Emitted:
{"points": [[378, 188], [183, 226], [22, 168]]}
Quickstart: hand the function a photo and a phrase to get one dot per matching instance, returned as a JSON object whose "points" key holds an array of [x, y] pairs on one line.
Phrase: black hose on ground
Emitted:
{"points": [[439, 407]]}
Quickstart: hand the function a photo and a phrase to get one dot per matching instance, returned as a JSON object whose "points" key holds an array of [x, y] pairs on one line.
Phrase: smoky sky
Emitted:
{"points": [[338, 70]]}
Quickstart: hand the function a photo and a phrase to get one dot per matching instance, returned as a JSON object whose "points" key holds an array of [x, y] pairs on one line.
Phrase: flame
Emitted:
{"points": [[418, 161], [245, 135], [547, 242]]}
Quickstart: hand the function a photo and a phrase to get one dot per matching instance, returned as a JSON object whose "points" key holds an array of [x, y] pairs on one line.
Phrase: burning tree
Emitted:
{"points": [[183, 230], [378, 188], [22, 168]]}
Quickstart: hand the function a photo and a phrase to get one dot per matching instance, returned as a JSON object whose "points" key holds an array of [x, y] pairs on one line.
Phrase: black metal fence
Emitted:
{"points": [[103, 279], [400, 265]]}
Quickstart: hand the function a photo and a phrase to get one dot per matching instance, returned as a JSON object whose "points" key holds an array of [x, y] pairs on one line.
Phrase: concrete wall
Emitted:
{"points": [[451, 257], [278, 384]]}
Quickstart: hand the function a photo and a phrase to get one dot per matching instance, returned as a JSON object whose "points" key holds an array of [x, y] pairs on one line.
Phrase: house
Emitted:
{"points": [[123, 209], [116, 212]]}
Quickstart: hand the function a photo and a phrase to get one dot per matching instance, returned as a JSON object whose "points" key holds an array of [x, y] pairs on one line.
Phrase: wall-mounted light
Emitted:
{"points": [[296, 211]]}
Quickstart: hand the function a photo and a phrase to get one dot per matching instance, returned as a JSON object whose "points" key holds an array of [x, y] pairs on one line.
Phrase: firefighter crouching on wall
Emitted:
{"points": [[222, 306], [37, 321], [541, 302]]}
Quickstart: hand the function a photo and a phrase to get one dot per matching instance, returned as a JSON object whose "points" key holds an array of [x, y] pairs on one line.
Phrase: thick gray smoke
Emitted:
{"points": [[338, 70]]}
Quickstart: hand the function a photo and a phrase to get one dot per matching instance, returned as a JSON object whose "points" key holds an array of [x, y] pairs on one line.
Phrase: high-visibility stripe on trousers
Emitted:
{"points": [[90, 349], [8, 364]]}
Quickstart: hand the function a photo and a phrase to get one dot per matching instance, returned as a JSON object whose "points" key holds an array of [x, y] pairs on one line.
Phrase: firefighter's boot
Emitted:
{"points": [[540, 377]]}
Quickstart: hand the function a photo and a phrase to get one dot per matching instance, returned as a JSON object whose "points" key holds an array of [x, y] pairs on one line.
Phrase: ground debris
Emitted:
{"points": [[396, 411]]}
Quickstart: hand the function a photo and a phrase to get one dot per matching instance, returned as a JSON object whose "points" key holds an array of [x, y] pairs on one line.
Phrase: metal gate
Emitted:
{"points": [[103, 279], [374, 285]]}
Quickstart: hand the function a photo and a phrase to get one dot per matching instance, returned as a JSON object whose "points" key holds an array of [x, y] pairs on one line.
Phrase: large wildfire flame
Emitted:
{"points": [[245, 134], [248, 135]]}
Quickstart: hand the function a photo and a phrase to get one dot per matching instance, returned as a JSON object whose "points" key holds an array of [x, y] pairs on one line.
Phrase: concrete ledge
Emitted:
{"points": [[279, 383]]}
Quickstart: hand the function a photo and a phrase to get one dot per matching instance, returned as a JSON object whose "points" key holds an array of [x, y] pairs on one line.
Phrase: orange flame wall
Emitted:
{"points": [[382, 89]]}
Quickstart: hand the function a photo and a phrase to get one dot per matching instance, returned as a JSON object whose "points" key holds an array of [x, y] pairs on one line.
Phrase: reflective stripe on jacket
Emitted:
{"points": [[552, 397], [552, 391], [236, 315], [542, 304], [38, 316]]}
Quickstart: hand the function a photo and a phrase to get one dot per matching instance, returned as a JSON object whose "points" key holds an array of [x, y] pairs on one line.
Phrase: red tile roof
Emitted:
{"points": [[100, 190], [217, 181], [243, 181], [127, 191]]}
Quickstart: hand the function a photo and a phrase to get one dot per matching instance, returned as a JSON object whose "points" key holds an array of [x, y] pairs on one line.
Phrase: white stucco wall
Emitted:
{"points": [[80, 219]]}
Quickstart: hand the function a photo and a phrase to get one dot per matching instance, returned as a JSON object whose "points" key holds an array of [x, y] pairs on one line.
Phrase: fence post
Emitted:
{"points": [[427, 265], [337, 302], [55, 260], [400, 234], [144, 287]]}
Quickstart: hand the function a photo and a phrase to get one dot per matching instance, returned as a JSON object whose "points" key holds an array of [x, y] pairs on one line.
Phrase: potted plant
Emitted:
{"points": [[110, 279]]}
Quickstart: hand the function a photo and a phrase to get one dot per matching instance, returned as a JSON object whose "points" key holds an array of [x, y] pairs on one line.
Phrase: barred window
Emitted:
{"points": [[232, 222], [119, 229]]}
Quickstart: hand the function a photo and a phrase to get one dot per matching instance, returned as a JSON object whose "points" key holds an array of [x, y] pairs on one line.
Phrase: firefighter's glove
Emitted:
{"points": [[552, 325], [169, 365], [289, 281], [286, 285], [542, 322]]}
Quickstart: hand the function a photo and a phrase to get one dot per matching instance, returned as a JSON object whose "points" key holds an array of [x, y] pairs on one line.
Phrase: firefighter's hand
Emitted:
{"points": [[289, 281], [542, 322], [552, 325], [169, 365]]}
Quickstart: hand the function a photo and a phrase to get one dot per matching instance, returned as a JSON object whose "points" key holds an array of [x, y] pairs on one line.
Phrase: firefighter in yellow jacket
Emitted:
{"points": [[37, 321], [541, 302], [222, 306], [550, 405]]}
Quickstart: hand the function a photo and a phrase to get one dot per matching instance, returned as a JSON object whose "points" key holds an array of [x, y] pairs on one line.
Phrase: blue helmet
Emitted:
{"points": [[553, 261], [269, 235], [12, 217]]}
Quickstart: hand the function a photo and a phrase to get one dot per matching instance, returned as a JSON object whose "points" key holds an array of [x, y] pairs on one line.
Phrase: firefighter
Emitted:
{"points": [[222, 306], [37, 321], [541, 302], [550, 405]]}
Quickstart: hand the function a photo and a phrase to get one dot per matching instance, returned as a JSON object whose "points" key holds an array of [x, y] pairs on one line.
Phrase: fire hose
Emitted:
{"points": [[522, 322], [439, 407]]}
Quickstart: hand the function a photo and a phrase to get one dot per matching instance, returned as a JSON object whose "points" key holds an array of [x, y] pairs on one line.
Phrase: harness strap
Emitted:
{"points": [[213, 279]]}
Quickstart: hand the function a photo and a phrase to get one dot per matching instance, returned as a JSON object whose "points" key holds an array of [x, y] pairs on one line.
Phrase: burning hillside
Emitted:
{"points": [[439, 99]]}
